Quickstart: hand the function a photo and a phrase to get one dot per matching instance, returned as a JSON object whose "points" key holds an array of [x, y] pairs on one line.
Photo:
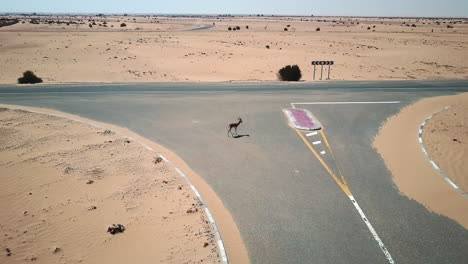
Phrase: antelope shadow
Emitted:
{"points": [[239, 136]]}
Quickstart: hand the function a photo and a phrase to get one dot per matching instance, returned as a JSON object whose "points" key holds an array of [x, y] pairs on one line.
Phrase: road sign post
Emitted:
{"points": [[314, 71], [321, 72], [321, 63]]}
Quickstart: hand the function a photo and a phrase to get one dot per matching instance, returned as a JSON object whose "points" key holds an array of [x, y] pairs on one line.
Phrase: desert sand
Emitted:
{"points": [[397, 143], [167, 49], [64, 183], [445, 138]]}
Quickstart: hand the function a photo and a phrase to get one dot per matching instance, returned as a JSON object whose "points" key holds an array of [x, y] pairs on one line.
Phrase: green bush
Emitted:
{"points": [[290, 73], [29, 77]]}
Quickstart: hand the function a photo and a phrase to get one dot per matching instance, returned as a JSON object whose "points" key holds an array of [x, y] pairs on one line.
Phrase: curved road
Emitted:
{"points": [[286, 205]]}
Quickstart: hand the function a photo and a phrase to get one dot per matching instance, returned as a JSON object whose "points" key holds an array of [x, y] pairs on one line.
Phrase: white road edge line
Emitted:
{"points": [[311, 134], [334, 103], [316, 142], [372, 230], [421, 144], [222, 250]]}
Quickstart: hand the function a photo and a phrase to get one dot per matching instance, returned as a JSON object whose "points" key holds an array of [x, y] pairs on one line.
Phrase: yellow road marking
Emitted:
{"points": [[340, 183], [333, 155]]}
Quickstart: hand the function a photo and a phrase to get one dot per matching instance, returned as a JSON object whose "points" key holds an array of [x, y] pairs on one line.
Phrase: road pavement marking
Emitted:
{"points": [[316, 142], [420, 139], [344, 187], [372, 230], [341, 184], [293, 105], [312, 134], [322, 152]]}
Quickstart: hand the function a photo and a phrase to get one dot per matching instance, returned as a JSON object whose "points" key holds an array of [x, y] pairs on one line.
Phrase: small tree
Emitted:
{"points": [[123, 25], [317, 29], [229, 28], [29, 77], [290, 73]]}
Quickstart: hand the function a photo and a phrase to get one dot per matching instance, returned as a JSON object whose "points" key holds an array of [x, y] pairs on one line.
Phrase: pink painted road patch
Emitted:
{"points": [[302, 119]]}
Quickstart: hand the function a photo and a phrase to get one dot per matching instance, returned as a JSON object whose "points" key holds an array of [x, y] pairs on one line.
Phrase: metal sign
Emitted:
{"points": [[321, 63]]}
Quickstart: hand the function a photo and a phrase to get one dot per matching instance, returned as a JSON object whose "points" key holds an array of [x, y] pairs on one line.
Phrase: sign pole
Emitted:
{"points": [[321, 73], [328, 72], [314, 72]]}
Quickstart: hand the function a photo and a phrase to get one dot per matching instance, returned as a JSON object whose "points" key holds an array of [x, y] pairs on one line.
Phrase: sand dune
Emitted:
{"points": [[64, 183], [154, 49]]}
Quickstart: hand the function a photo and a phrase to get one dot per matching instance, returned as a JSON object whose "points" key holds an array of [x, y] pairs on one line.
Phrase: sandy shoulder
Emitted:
{"points": [[445, 138], [412, 173], [64, 183]]}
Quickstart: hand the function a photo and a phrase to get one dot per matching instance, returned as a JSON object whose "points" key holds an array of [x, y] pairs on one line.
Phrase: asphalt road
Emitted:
{"points": [[287, 207]]}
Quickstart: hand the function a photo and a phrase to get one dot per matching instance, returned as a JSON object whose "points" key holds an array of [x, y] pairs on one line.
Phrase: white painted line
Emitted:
{"points": [[332, 103], [322, 152], [372, 230], [316, 142], [311, 134], [451, 183], [434, 165], [212, 221]]}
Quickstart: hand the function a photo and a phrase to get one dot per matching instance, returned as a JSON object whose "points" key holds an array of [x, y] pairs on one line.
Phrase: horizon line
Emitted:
{"points": [[217, 14]]}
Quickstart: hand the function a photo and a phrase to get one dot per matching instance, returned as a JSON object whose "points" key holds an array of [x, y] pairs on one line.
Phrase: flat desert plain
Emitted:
{"points": [[173, 49]]}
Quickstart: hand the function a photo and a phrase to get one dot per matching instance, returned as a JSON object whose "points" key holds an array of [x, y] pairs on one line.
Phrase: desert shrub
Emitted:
{"points": [[285, 29], [413, 25], [288, 25], [290, 73], [267, 46], [229, 28], [90, 25], [246, 27], [317, 29], [123, 25], [449, 26], [237, 27], [29, 77]]}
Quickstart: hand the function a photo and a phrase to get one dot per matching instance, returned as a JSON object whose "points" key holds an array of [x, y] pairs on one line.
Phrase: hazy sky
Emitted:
{"points": [[453, 8]]}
